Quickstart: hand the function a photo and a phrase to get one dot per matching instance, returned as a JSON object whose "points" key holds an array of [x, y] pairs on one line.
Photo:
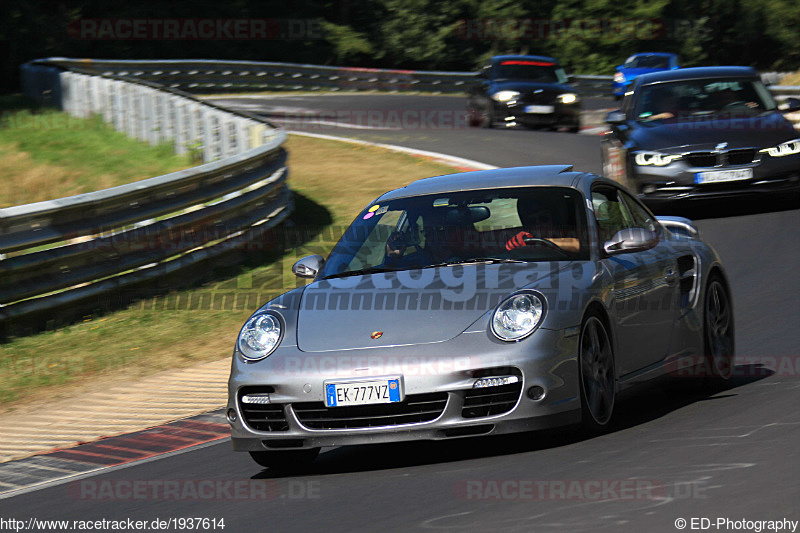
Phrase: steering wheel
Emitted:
{"points": [[533, 241], [737, 103]]}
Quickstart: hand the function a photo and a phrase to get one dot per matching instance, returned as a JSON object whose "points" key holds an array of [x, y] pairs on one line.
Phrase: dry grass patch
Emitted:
{"points": [[47, 154], [791, 79]]}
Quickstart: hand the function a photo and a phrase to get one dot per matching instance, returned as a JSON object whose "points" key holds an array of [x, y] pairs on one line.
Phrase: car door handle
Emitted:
{"points": [[670, 276]]}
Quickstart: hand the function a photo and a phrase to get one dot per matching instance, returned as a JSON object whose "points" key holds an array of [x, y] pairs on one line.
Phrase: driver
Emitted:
{"points": [[666, 106], [539, 222], [728, 98]]}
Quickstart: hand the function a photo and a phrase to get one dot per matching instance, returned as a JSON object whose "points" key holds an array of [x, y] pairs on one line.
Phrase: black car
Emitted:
{"points": [[529, 90], [695, 133]]}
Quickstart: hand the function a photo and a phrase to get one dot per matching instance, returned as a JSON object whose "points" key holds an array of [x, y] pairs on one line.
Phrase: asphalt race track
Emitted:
{"points": [[734, 454]]}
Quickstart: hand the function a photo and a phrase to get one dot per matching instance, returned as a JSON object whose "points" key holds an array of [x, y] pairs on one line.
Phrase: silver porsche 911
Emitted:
{"points": [[478, 303]]}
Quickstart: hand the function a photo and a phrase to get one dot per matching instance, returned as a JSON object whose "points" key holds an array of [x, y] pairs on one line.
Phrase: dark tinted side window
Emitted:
{"points": [[610, 214], [641, 217]]}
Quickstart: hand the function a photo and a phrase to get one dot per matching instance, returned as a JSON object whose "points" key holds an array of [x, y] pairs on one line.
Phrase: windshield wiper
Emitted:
{"points": [[362, 271], [483, 260]]}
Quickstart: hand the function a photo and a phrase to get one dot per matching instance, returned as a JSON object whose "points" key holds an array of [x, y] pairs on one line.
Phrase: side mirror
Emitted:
{"points": [[790, 105], [680, 226], [631, 240], [308, 267], [616, 117]]}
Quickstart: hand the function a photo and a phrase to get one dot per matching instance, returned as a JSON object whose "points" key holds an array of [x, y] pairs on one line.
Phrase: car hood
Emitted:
{"points": [[758, 131], [408, 307], [529, 87]]}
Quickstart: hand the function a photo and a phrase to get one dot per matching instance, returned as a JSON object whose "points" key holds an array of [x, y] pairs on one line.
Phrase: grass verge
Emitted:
{"points": [[47, 154], [332, 182], [791, 79]]}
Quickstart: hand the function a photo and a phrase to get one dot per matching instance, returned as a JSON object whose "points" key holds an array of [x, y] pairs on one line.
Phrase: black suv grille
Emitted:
{"points": [[415, 409], [491, 400], [541, 98]]}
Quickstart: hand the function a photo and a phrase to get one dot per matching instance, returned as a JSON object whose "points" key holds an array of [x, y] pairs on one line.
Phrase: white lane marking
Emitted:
{"points": [[597, 130], [753, 430], [314, 123], [435, 155]]}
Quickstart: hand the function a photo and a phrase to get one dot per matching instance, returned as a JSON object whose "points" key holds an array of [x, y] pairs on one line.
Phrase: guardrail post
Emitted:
{"points": [[207, 133], [181, 126], [157, 120], [224, 134], [141, 126]]}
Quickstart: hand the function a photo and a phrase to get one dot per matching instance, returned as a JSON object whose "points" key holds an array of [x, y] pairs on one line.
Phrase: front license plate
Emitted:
{"points": [[541, 109], [381, 390], [723, 175]]}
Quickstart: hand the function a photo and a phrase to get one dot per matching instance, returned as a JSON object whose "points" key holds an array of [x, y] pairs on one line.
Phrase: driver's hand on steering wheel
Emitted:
{"points": [[518, 240]]}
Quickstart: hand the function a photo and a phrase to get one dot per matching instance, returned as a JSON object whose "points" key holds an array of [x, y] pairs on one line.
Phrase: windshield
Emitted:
{"points": [[693, 98], [647, 62], [540, 71], [503, 225]]}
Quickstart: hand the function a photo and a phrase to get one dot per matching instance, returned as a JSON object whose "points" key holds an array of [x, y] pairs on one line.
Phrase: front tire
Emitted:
{"points": [[597, 375], [718, 332], [486, 116], [286, 460]]}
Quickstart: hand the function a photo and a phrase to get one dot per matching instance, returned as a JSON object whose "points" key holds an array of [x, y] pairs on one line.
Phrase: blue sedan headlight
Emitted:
{"points": [[260, 336], [517, 317], [787, 148], [656, 159]]}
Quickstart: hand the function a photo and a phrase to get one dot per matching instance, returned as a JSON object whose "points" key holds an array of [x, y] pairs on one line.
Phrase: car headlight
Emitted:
{"points": [[505, 96], [518, 316], [619, 77], [260, 336], [656, 159], [788, 148], [568, 98]]}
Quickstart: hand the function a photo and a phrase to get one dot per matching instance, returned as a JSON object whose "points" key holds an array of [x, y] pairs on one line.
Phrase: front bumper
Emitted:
{"points": [[446, 369], [568, 115], [620, 88], [676, 181]]}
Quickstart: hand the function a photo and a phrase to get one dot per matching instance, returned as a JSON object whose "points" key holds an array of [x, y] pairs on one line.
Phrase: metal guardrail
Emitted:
{"points": [[72, 253], [214, 76], [211, 76]]}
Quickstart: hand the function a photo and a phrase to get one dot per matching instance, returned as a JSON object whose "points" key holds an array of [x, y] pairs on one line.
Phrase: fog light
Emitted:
{"points": [[536, 393], [496, 381], [231, 415], [649, 189], [260, 398]]}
